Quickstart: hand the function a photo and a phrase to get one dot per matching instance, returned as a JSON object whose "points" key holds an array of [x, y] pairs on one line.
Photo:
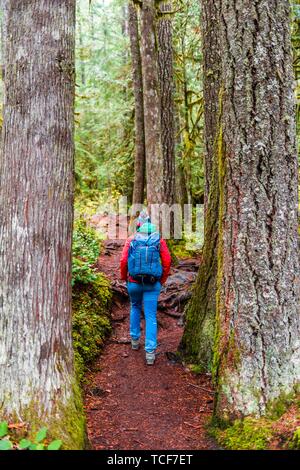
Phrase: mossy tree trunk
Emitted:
{"points": [[140, 152], [198, 336], [255, 175], [257, 349], [37, 379]]}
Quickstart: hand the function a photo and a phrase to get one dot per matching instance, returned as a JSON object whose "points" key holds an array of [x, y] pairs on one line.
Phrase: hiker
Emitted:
{"points": [[145, 265]]}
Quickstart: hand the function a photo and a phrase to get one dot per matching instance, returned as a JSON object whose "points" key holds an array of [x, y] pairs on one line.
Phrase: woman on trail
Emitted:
{"points": [[145, 265]]}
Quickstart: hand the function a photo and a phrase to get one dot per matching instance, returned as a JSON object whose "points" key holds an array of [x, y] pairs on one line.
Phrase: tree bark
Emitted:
{"points": [[254, 177], [211, 87], [37, 379], [81, 53], [198, 338], [140, 157], [152, 105], [180, 180], [257, 349], [188, 145], [166, 80]]}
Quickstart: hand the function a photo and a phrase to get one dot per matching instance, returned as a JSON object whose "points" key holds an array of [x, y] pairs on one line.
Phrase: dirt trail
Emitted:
{"points": [[132, 406]]}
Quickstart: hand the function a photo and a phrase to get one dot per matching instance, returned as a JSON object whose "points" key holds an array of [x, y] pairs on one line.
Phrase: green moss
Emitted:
{"points": [[178, 250], [256, 433], [295, 441], [196, 368], [246, 434], [91, 320], [201, 336], [277, 407], [71, 427], [219, 277], [66, 421]]}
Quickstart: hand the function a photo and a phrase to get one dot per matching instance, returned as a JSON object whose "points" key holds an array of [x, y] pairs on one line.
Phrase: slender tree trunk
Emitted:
{"points": [[180, 181], [152, 105], [186, 132], [166, 79], [198, 338], [140, 158], [81, 54], [37, 380], [257, 350], [92, 21], [211, 88]]}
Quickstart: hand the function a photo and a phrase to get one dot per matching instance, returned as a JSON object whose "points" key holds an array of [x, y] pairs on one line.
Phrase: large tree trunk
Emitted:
{"points": [[198, 337], [257, 356], [37, 381], [140, 156], [166, 80], [152, 105]]}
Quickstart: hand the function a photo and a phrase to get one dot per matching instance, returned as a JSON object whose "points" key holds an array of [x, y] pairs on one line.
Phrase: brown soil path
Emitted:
{"points": [[132, 406]]}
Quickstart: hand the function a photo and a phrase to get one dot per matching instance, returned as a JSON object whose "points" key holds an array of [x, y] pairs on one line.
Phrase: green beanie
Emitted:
{"points": [[147, 228]]}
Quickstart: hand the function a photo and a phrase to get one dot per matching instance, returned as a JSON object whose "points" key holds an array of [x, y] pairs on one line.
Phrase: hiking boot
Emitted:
{"points": [[150, 358], [135, 344]]}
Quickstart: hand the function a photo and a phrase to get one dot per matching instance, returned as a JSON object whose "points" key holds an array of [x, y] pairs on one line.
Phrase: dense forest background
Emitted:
{"points": [[105, 100], [228, 315]]}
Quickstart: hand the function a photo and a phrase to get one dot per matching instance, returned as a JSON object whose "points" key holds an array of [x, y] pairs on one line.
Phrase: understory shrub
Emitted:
{"points": [[11, 439], [91, 298]]}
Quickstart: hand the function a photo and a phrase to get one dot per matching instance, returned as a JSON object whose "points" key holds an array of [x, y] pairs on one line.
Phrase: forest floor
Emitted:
{"points": [[132, 406]]}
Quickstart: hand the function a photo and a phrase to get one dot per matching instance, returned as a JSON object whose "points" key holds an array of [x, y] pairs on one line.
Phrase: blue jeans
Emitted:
{"points": [[147, 294]]}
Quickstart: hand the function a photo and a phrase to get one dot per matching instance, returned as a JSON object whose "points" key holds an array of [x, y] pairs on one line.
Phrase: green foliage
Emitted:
{"points": [[3, 428], [41, 435], [104, 101], [192, 239], [189, 95], [55, 445], [86, 250], [5, 444], [295, 441], [25, 444], [91, 298], [9, 441]]}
